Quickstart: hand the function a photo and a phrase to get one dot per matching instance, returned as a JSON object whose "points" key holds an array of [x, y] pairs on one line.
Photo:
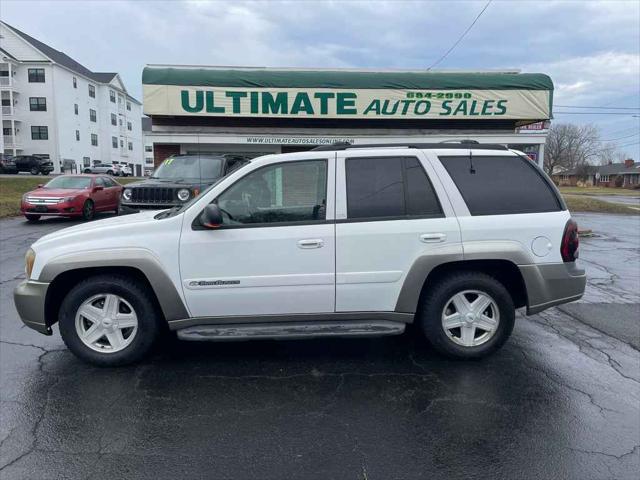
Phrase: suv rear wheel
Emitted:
{"points": [[109, 320], [34, 171], [467, 315]]}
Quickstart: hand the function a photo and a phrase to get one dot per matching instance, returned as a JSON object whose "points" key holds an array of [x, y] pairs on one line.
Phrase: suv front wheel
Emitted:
{"points": [[467, 315], [109, 320]]}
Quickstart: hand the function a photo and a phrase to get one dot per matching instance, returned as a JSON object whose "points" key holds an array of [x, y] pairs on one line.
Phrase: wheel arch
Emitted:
{"points": [[64, 273], [425, 273]]}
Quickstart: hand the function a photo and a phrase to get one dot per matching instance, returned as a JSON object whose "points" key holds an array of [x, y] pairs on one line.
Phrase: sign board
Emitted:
{"points": [[274, 94]]}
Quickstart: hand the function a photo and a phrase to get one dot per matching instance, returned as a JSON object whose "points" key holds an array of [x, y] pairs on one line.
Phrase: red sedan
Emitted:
{"points": [[72, 196]]}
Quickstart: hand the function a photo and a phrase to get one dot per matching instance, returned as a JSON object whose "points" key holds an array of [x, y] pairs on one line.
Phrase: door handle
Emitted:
{"points": [[433, 237], [311, 243]]}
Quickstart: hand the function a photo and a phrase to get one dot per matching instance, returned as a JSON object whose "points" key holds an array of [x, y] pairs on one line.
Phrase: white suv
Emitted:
{"points": [[338, 241]]}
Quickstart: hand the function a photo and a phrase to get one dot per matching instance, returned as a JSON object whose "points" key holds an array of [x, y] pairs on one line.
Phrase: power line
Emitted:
{"points": [[594, 113], [628, 144], [593, 106], [620, 138], [461, 36]]}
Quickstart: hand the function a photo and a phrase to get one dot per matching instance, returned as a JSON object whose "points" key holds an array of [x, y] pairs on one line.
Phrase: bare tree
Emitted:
{"points": [[608, 153], [569, 146]]}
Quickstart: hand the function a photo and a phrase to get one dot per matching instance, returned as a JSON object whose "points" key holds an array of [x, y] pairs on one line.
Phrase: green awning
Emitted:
{"points": [[341, 79]]}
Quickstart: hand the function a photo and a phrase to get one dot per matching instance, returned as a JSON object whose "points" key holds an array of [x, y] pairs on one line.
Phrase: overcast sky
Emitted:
{"points": [[591, 49]]}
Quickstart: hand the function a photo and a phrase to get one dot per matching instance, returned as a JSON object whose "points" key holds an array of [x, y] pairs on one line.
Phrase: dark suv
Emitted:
{"points": [[33, 164], [7, 164], [177, 180]]}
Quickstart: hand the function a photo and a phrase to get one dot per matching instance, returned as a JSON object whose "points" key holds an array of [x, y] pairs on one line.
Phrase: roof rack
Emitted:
{"points": [[448, 144]]}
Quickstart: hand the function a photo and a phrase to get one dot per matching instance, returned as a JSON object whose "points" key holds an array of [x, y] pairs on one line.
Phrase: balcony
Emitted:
{"points": [[11, 141], [8, 111]]}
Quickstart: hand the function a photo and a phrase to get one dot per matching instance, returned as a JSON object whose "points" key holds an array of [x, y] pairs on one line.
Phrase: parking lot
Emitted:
{"points": [[560, 400]]}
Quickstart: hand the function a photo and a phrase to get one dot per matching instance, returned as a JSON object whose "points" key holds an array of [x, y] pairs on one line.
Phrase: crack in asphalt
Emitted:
{"points": [[611, 455]]}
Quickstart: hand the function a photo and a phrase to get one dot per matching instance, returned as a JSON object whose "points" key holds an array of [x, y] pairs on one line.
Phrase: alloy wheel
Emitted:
{"points": [[470, 318], [106, 323]]}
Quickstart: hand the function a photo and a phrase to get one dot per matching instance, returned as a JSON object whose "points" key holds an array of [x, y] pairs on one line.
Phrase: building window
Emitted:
{"points": [[86, 161], [77, 135], [114, 142], [120, 122], [121, 143], [114, 119], [75, 108], [94, 139], [35, 75], [120, 99], [604, 178], [148, 148], [39, 133], [112, 96], [7, 131], [75, 82], [38, 104], [130, 146], [148, 160], [92, 115], [129, 106], [92, 91], [129, 126]]}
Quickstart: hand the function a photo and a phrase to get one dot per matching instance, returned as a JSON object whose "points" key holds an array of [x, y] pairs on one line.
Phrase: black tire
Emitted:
{"points": [[34, 171], [140, 298], [110, 172], [437, 296], [87, 170], [32, 218], [88, 210]]}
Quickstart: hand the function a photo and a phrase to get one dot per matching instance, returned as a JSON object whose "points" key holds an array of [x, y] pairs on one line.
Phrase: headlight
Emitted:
{"points": [[183, 194], [126, 194], [66, 199], [29, 259]]}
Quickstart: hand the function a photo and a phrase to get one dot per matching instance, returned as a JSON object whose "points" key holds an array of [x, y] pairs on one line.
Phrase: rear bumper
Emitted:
{"points": [[29, 298], [552, 284]]}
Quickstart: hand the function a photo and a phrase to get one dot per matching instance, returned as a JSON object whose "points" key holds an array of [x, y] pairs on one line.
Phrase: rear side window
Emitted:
{"points": [[501, 185], [383, 187]]}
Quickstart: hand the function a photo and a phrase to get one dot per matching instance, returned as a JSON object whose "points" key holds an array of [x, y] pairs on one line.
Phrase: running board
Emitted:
{"points": [[290, 330]]}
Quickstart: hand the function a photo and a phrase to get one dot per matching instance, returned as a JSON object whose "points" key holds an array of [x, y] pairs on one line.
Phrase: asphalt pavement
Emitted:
{"points": [[560, 400]]}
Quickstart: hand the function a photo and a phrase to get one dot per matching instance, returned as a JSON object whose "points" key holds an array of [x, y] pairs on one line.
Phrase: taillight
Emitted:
{"points": [[570, 242]]}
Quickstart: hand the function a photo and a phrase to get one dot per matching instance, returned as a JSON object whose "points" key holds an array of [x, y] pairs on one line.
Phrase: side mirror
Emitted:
{"points": [[98, 188], [211, 217], [40, 185]]}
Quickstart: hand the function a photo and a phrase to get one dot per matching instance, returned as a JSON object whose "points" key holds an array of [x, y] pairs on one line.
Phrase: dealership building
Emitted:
{"points": [[256, 111]]}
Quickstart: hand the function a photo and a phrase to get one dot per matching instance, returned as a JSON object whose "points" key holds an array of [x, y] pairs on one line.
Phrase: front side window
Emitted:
{"points": [[389, 187], [92, 91], [286, 192], [92, 115], [39, 133], [35, 75], [501, 185], [38, 104], [94, 139]]}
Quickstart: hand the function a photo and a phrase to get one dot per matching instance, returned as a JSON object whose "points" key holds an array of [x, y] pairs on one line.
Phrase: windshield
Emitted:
{"points": [[190, 167], [69, 182]]}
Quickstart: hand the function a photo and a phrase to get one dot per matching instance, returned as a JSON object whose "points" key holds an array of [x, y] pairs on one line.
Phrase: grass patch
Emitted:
{"points": [[599, 191], [12, 189], [582, 203]]}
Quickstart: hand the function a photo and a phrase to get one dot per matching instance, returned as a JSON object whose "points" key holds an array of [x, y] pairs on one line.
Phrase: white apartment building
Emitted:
{"points": [[54, 107]]}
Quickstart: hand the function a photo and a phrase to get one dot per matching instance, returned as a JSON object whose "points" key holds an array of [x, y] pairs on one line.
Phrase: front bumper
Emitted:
{"points": [[29, 298], [552, 284], [65, 209]]}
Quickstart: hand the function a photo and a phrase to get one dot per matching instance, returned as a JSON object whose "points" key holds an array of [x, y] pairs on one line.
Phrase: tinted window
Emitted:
{"points": [[108, 182], [389, 187], [286, 192], [501, 185], [100, 182]]}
